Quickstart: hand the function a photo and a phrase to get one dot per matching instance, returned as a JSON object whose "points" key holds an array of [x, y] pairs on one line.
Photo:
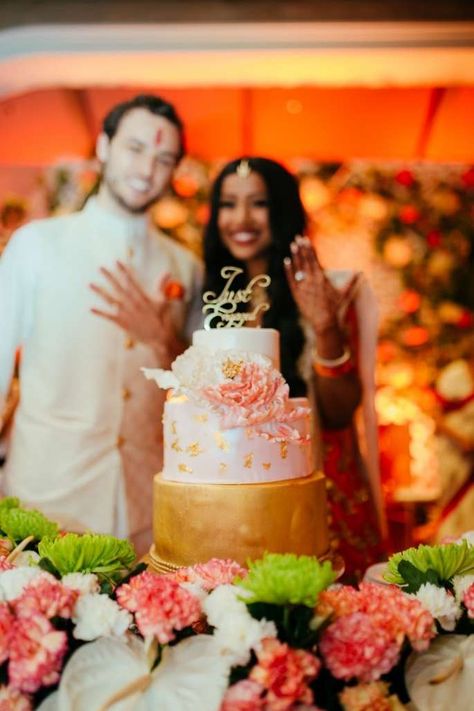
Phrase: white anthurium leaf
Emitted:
{"points": [[97, 672], [192, 676], [50, 703], [443, 675]]}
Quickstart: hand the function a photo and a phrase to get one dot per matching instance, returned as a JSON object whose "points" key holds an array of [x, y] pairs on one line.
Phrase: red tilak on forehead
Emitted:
{"points": [[159, 136]]}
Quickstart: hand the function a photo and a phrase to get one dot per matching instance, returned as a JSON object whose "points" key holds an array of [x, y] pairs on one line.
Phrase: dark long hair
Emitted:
{"points": [[287, 219]]}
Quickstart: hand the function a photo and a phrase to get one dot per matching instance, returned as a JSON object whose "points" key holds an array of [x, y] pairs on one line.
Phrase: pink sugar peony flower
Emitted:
{"points": [[6, 631], [211, 574], [255, 394], [355, 646], [36, 653], [366, 697], [160, 604], [246, 695], [12, 700], [468, 600], [285, 673], [48, 596]]}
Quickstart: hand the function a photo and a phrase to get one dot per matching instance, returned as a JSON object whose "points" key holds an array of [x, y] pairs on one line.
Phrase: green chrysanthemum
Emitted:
{"points": [[99, 553], [9, 502], [287, 579], [445, 560], [18, 523]]}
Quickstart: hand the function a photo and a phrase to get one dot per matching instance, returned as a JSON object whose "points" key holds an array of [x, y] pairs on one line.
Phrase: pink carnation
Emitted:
{"points": [[389, 607], [398, 613], [355, 646], [160, 604], [6, 631], [4, 563], [36, 653], [366, 697], [246, 695], [12, 700], [48, 596], [338, 601], [468, 600], [285, 674], [211, 574]]}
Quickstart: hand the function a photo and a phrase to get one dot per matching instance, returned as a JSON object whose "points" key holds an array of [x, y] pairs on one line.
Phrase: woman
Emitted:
{"points": [[255, 223]]}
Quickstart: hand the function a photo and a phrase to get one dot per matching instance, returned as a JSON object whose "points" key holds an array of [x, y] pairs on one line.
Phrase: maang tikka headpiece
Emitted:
{"points": [[243, 170]]}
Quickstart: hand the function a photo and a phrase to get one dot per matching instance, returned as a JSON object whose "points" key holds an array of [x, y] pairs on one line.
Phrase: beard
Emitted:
{"points": [[132, 209]]}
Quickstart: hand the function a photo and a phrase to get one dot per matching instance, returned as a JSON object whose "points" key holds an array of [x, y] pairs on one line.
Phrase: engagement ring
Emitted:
{"points": [[299, 275]]}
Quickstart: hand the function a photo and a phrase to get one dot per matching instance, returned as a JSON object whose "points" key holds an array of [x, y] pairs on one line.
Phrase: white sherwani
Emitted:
{"points": [[87, 436]]}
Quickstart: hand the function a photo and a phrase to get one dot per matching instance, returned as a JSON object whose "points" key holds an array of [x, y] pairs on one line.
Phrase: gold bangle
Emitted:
{"points": [[332, 362]]}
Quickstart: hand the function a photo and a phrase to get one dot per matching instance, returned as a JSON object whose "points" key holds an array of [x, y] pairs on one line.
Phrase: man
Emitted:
{"points": [[84, 297]]}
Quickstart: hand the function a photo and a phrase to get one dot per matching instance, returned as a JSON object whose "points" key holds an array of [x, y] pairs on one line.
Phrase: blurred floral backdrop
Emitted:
{"points": [[410, 228]]}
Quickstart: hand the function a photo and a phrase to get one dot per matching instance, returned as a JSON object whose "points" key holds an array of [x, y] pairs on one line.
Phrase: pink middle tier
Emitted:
{"points": [[198, 450]]}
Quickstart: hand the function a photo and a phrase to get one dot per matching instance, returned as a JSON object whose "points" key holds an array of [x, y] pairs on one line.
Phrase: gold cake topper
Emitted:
{"points": [[221, 309]]}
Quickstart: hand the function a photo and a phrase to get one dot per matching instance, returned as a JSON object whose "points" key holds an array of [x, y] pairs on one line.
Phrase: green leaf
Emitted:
{"points": [[415, 578], [99, 553], [19, 523], [282, 579], [446, 561]]}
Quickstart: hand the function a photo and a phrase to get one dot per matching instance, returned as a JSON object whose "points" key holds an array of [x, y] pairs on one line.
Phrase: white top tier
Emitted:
{"points": [[265, 341]]}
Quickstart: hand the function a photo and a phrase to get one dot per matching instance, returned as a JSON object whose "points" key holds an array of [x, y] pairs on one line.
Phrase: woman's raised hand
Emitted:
{"points": [[318, 300]]}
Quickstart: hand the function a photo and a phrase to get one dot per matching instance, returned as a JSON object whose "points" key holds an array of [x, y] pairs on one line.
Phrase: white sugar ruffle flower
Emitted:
{"points": [[14, 581], [82, 582], [199, 368], [236, 631], [441, 604], [460, 584], [98, 615]]}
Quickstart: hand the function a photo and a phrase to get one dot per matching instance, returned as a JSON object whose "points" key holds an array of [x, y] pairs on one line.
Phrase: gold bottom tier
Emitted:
{"points": [[193, 523]]}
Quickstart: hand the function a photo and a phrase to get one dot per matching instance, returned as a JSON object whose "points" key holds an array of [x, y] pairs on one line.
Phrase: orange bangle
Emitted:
{"points": [[335, 372]]}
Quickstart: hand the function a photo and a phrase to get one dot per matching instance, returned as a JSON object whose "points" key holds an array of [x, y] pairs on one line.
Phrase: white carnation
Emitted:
{"points": [[461, 583], [82, 582], [14, 581], [196, 590], [98, 615], [441, 604], [237, 632]]}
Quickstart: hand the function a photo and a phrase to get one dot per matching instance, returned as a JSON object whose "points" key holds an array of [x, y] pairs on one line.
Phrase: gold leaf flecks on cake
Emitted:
{"points": [[175, 446], [266, 465], [177, 398], [194, 449], [248, 460], [283, 450], [222, 467], [230, 368], [201, 418], [173, 427], [221, 442], [184, 468]]}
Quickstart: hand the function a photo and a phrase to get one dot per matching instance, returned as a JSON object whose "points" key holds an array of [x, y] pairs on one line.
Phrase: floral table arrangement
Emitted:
{"points": [[81, 630]]}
